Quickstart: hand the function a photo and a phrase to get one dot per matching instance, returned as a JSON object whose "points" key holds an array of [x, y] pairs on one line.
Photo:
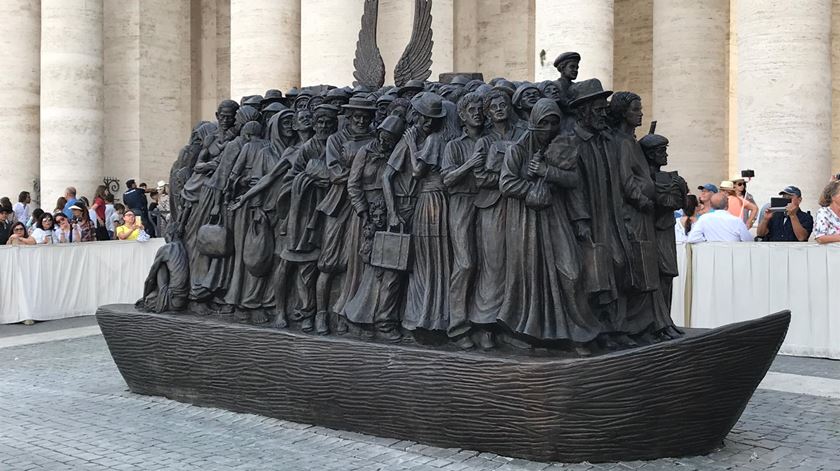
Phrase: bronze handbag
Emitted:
{"points": [[391, 250], [213, 239]]}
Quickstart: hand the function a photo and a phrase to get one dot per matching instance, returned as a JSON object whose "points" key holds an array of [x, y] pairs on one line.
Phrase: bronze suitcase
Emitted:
{"points": [[644, 265], [597, 268], [391, 250]]}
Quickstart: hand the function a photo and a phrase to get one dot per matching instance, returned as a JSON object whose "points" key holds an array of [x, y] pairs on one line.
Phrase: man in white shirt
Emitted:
{"points": [[718, 225], [21, 208]]}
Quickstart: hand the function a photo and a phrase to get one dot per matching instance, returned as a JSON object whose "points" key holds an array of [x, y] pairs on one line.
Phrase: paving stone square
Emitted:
{"points": [[64, 406]]}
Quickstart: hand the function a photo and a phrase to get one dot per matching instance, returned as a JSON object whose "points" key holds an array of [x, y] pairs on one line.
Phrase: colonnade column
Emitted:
{"points": [[329, 30], [584, 26], [20, 59], [784, 95], [71, 97], [265, 45], [690, 85]]}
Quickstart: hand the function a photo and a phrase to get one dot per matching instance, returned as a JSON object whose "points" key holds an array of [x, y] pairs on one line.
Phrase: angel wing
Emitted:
{"points": [[416, 60], [370, 69]]}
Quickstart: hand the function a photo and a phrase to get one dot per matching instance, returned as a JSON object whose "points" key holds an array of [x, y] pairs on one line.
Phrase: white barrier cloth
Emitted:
{"points": [[48, 282]]}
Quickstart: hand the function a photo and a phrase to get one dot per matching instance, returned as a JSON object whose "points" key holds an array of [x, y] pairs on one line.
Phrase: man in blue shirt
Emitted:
{"points": [[792, 225], [70, 196]]}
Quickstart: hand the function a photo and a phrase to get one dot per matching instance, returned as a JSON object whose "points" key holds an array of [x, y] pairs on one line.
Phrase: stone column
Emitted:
{"points": [[329, 30], [585, 26], [20, 59], [784, 95], [264, 45], [690, 85], [71, 97]]}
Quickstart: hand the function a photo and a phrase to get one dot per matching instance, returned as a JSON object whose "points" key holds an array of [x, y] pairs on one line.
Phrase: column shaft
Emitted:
{"points": [[71, 97], [690, 85], [20, 59], [585, 26], [784, 95], [264, 46]]}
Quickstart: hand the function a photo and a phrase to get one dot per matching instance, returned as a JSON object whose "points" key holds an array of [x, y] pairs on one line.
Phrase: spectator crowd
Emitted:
{"points": [[727, 212], [141, 215]]}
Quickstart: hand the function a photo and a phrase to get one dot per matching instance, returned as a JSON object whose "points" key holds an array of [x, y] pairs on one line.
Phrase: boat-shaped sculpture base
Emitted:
{"points": [[674, 398]]}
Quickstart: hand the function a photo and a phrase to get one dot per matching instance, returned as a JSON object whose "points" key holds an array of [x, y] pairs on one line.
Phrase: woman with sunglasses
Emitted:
{"points": [[45, 232], [741, 192], [19, 235], [67, 233]]}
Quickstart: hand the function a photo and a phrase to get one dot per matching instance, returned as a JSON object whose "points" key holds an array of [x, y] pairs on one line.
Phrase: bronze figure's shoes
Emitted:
{"points": [[322, 323], [308, 324], [258, 316], [485, 340], [464, 342], [280, 321]]}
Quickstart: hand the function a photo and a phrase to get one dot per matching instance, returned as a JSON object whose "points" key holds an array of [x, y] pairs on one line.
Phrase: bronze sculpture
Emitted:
{"points": [[452, 223]]}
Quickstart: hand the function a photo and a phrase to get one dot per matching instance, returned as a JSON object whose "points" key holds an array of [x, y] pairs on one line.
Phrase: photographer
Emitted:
{"points": [[791, 225]]}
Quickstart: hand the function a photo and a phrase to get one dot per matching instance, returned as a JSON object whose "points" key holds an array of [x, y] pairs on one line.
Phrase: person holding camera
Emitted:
{"points": [[788, 223]]}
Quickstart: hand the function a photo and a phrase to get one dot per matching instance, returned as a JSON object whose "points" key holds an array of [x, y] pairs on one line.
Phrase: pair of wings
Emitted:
{"points": [[416, 60]]}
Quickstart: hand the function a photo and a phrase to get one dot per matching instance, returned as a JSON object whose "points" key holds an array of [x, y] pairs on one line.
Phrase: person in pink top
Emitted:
{"points": [[738, 205]]}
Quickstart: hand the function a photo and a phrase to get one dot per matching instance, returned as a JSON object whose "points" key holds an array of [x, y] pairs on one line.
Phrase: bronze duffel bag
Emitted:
{"points": [[213, 239], [391, 250]]}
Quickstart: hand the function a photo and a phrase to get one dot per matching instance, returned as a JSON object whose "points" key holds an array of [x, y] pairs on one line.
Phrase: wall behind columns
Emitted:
{"points": [[633, 53], [20, 84], [148, 96], [265, 46], [165, 86], [71, 97], [210, 50], [329, 30], [505, 39], [784, 98], [690, 85], [585, 26]]}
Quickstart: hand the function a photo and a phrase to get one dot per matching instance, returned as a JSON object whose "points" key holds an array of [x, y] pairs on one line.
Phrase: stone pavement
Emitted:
{"points": [[64, 406]]}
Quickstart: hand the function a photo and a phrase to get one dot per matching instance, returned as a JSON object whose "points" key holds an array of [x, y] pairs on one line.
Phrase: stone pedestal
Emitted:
{"points": [[585, 26], [265, 45], [784, 95], [71, 97], [690, 85], [19, 96]]}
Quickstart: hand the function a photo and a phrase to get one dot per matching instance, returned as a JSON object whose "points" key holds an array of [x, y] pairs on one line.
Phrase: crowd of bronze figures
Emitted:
{"points": [[515, 211]]}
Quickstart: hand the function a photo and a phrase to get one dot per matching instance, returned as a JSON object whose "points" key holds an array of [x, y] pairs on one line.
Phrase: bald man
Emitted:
{"points": [[718, 225]]}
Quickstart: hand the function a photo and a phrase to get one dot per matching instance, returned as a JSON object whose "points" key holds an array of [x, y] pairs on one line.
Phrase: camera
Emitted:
{"points": [[747, 173]]}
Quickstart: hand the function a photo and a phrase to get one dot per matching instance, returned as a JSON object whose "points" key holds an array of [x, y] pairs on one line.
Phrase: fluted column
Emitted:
{"points": [[690, 85], [784, 95], [264, 45], [71, 97], [584, 26], [20, 60], [328, 33]]}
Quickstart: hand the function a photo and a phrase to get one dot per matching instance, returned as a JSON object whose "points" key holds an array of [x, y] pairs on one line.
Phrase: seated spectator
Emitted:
{"points": [[67, 232], [37, 213], [21, 208], [132, 227], [59, 204], [45, 232], [70, 197], [19, 235], [83, 223], [686, 221], [738, 206], [5, 202], [5, 223], [827, 224], [794, 225], [110, 213], [706, 192], [718, 225]]}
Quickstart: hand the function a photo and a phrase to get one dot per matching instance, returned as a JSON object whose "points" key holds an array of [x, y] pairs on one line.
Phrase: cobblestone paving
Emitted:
{"points": [[64, 406]]}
